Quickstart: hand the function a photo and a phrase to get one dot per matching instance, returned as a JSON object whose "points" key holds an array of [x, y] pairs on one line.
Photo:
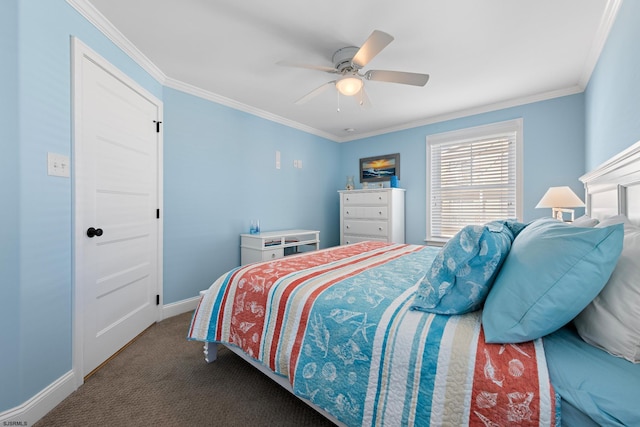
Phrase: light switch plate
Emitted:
{"points": [[58, 165]]}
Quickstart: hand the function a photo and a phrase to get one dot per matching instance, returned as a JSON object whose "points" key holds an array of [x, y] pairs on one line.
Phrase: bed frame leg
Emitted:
{"points": [[210, 351]]}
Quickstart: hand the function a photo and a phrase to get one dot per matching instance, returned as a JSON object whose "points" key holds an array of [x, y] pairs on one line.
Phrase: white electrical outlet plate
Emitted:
{"points": [[300, 164], [277, 159], [58, 165]]}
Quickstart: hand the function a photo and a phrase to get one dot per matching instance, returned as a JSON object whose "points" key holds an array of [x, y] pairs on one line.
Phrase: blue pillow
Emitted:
{"points": [[551, 273], [463, 271]]}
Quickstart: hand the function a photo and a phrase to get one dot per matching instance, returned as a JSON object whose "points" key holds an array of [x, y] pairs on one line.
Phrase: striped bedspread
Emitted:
{"points": [[337, 324]]}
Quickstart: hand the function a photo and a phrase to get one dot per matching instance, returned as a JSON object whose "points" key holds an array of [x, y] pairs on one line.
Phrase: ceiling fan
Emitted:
{"points": [[348, 63]]}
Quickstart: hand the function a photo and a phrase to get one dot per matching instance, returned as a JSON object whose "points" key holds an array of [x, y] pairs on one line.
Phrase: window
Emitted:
{"points": [[473, 176]]}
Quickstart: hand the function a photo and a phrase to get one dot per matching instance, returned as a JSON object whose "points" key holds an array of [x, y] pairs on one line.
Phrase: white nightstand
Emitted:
{"points": [[275, 244]]}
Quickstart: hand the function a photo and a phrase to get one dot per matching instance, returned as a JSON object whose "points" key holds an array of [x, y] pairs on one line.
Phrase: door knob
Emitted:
{"points": [[94, 232]]}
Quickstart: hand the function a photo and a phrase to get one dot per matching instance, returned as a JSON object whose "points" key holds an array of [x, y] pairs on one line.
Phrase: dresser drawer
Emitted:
{"points": [[272, 254], [367, 228], [366, 212], [348, 239], [373, 198]]}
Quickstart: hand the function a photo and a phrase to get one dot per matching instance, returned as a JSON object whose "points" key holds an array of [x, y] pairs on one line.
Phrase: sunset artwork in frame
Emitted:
{"points": [[379, 168]]}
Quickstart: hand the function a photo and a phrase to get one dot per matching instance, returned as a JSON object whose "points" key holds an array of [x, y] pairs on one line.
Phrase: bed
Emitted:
{"points": [[366, 335], [596, 376]]}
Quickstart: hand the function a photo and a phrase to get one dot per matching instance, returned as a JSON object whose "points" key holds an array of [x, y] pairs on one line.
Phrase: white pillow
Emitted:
{"points": [[612, 320], [615, 219], [585, 221]]}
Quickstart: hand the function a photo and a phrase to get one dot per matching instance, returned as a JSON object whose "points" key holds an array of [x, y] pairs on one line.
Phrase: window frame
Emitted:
{"points": [[470, 135]]}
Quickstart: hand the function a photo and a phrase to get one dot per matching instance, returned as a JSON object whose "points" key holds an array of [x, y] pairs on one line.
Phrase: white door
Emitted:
{"points": [[116, 159]]}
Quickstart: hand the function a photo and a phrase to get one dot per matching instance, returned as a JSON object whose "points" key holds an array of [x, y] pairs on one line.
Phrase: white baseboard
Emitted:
{"points": [[37, 407], [48, 398], [175, 308]]}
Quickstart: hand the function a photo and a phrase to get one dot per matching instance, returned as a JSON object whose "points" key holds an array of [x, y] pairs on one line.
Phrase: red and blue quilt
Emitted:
{"points": [[337, 323]]}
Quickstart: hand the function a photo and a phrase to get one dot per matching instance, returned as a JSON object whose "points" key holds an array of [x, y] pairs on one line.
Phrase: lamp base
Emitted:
{"points": [[557, 213]]}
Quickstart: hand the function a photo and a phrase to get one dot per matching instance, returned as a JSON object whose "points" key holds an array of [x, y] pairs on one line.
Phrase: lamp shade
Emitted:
{"points": [[560, 197], [349, 85]]}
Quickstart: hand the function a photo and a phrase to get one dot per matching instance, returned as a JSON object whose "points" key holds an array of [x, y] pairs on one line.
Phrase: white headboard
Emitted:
{"points": [[614, 187]]}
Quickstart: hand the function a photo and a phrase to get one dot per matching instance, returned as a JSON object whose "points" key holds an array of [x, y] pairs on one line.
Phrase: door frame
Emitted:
{"points": [[79, 53]]}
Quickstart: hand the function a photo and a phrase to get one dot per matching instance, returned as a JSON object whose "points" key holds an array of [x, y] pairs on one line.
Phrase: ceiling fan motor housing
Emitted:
{"points": [[342, 59]]}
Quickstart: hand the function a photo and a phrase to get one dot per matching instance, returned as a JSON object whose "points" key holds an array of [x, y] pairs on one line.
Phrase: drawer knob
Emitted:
{"points": [[347, 212], [273, 255], [348, 227], [380, 213], [380, 228]]}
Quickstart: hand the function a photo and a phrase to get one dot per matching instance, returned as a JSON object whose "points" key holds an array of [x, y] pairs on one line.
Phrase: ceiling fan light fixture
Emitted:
{"points": [[349, 85]]}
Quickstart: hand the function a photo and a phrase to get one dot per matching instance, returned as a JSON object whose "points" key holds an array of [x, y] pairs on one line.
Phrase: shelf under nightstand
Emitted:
{"points": [[270, 245]]}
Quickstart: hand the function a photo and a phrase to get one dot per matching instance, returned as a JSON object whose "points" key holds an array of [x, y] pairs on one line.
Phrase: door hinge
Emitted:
{"points": [[157, 213], [158, 299], [157, 125]]}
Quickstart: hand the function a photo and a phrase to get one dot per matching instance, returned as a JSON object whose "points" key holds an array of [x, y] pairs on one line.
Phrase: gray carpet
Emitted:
{"points": [[162, 380]]}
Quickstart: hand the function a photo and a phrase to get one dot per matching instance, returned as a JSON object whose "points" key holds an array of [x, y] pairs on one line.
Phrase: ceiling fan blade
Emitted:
{"points": [[363, 99], [415, 79], [317, 91], [308, 66], [377, 41]]}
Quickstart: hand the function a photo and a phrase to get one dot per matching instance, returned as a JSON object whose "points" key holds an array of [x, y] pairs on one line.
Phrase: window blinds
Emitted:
{"points": [[472, 182]]}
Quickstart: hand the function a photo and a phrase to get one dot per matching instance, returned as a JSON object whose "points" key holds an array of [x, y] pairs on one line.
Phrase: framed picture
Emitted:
{"points": [[379, 168]]}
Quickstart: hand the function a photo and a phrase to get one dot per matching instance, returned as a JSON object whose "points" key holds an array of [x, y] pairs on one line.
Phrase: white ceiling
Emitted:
{"points": [[481, 54]]}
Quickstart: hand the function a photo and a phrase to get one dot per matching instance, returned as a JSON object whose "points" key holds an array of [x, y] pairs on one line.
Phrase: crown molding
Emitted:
{"points": [[608, 18], [91, 14], [515, 102], [88, 11], [228, 102]]}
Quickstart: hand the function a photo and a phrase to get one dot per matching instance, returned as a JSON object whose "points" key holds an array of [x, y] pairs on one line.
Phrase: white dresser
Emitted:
{"points": [[372, 214]]}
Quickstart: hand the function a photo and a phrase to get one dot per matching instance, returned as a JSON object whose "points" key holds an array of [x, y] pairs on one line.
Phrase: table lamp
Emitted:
{"points": [[560, 199]]}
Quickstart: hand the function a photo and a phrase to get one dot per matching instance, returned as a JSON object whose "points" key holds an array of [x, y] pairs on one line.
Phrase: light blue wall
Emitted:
{"points": [[38, 277], [613, 93], [553, 154], [219, 173], [9, 214], [214, 158]]}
